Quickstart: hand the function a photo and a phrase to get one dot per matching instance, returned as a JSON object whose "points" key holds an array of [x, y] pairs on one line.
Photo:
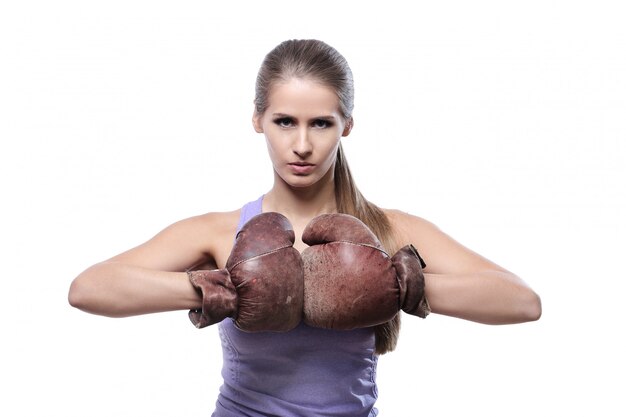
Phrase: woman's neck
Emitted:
{"points": [[300, 204]]}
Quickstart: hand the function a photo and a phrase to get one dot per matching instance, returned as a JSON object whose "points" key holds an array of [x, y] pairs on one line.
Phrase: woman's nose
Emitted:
{"points": [[302, 146]]}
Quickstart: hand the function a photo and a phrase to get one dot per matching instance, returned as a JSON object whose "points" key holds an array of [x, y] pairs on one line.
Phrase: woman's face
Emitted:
{"points": [[303, 126]]}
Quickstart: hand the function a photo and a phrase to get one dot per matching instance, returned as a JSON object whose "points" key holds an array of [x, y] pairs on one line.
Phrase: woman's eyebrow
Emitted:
{"points": [[280, 115], [324, 117]]}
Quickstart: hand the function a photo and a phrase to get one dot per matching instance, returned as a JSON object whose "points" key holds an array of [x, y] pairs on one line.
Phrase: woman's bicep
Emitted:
{"points": [[178, 247], [442, 253], [464, 284]]}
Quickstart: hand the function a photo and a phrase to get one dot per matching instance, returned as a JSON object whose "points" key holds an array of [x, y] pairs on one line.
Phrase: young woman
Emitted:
{"points": [[303, 106]]}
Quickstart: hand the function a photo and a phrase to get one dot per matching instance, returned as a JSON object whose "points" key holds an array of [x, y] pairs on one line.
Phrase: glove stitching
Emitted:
{"points": [[358, 244], [259, 256]]}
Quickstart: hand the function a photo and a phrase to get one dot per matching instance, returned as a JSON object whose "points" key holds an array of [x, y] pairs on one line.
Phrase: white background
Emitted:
{"points": [[501, 122]]}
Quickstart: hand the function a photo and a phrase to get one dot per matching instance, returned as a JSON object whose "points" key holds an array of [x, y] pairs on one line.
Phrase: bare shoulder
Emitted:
{"points": [[407, 228], [213, 233], [203, 240], [216, 224], [442, 253], [211, 225]]}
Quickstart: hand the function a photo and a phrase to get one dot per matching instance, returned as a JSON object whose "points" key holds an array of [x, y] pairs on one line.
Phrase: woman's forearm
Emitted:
{"points": [[119, 290], [490, 297]]}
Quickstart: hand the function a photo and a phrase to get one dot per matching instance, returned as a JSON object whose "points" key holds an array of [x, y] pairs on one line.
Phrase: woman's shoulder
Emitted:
{"points": [[210, 235], [211, 224], [203, 238], [207, 231], [443, 254], [406, 226], [217, 219]]}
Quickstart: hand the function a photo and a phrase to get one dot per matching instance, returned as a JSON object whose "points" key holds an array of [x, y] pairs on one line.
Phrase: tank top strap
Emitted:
{"points": [[248, 211]]}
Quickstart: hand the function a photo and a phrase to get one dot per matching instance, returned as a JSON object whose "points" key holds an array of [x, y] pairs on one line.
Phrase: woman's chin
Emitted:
{"points": [[305, 181], [300, 181]]}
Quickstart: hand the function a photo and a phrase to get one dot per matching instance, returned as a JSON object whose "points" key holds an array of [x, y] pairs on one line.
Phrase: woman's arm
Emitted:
{"points": [[151, 277], [462, 283]]}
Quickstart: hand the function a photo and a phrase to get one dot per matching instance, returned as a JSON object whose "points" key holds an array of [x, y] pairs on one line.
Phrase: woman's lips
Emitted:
{"points": [[301, 167]]}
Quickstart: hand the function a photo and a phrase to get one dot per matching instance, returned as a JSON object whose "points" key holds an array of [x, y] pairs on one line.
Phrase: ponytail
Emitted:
{"points": [[351, 201]]}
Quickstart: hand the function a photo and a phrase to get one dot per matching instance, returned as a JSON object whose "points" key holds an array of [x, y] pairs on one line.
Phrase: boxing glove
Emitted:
{"points": [[261, 287], [351, 282]]}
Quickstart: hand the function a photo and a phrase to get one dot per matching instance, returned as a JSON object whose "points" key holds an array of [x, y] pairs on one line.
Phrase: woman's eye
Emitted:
{"points": [[321, 123], [284, 122]]}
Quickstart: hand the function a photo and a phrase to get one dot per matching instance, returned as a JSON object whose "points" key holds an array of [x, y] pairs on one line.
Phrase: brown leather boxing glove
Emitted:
{"points": [[409, 267], [262, 285], [351, 282]]}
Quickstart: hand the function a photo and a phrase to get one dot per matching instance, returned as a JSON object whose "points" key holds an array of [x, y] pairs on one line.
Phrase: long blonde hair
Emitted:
{"points": [[317, 60]]}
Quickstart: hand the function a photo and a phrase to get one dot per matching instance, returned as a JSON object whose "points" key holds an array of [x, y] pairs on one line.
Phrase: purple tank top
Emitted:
{"points": [[303, 372]]}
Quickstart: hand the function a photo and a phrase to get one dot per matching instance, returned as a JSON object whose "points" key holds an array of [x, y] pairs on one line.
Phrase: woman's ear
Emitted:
{"points": [[348, 127], [256, 122]]}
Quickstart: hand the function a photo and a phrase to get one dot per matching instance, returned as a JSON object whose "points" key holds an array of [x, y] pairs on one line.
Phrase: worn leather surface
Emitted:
{"points": [[343, 280], [349, 281], [408, 265], [266, 272], [335, 227], [219, 297]]}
